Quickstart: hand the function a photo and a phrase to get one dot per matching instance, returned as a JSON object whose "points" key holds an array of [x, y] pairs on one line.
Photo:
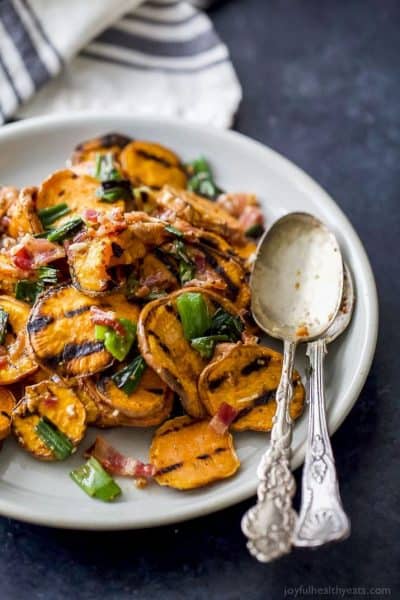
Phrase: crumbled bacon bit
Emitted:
{"points": [[50, 400], [3, 357], [91, 215], [108, 318], [117, 463], [35, 252], [23, 259], [224, 417]]}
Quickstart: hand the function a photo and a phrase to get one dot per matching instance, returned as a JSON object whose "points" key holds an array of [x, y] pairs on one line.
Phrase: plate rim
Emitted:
{"points": [[303, 181]]}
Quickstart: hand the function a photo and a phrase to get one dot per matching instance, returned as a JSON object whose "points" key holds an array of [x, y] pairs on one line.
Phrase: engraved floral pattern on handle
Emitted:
{"points": [[269, 525], [322, 518]]}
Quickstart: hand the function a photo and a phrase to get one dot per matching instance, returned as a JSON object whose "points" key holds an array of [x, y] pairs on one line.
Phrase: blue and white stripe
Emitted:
{"points": [[166, 37]]}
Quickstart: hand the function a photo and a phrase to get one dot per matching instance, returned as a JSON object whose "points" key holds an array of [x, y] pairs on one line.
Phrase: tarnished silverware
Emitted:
{"points": [[296, 292], [322, 518]]}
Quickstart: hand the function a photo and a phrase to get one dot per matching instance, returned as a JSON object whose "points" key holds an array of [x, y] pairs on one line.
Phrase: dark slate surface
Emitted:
{"points": [[322, 86]]}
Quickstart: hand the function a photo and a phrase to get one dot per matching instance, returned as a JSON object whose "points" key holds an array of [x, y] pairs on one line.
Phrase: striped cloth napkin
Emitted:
{"points": [[159, 57]]}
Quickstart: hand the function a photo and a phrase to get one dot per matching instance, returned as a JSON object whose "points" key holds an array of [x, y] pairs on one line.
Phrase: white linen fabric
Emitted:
{"points": [[160, 58]]}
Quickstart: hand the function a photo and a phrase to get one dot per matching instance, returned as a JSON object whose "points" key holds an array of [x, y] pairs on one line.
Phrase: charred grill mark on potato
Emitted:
{"points": [[117, 250], [192, 454], [233, 289], [256, 365], [157, 391], [111, 139], [248, 376], [70, 314], [150, 156], [152, 164], [216, 383], [163, 346], [39, 323], [65, 342], [72, 352], [169, 469]]}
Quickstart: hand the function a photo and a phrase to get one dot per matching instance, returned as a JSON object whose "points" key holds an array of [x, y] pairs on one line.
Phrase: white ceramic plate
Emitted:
{"points": [[43, 492]]}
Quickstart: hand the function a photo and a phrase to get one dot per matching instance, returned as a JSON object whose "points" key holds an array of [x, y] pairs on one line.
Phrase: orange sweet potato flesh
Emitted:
{"points": [[19, 361], [152, 165], [200, 212], [21, 215], [90, 261], [246, 377], [7, 404], [147, 399], [102, 414], [164, 347], [189, 454], [78, 191], [57, 403], [109, 143], [62, 334]]}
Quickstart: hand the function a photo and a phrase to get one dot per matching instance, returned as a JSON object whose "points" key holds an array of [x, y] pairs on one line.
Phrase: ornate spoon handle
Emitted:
{"points": [[322, 518], [270, 523]]}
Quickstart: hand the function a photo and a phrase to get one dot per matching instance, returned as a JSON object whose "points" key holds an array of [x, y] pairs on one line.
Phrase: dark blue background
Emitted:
{"points": [[322, 86]]}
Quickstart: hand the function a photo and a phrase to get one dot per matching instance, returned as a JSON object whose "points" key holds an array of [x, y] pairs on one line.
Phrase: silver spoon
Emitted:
{"points": [[322, 518], [296, 286]]}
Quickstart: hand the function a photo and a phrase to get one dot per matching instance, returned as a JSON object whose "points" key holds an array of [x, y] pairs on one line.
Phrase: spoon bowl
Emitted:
{"points": [[297, 279], [297, 285]]}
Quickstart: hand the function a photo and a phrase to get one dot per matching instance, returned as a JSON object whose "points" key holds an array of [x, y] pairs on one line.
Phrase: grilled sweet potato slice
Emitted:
{"points": [[77, 191], [110, 142], [148, 398], [62, 334], [16, 359], [7, 404], [163, 346], [188, 454], [21, 215], [247, 377], [8, 195], [91, 262], [57, 403], [103, 415], [199, 212], [152, 164]]}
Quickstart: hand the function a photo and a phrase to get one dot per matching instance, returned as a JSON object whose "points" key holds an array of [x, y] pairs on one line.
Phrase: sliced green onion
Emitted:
{"points": [[204, 186], [54, 439], [128, 378], [95, 481], [174, 231], [3, 325], [47, 274], [186, 271], [111, 191], [117, 345], [66, 230], [199, 165], [193, 311], [223, 323], [205, 345], [104, 169], [201, 180], [48, 215], [255, 231], [27, 290]]}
